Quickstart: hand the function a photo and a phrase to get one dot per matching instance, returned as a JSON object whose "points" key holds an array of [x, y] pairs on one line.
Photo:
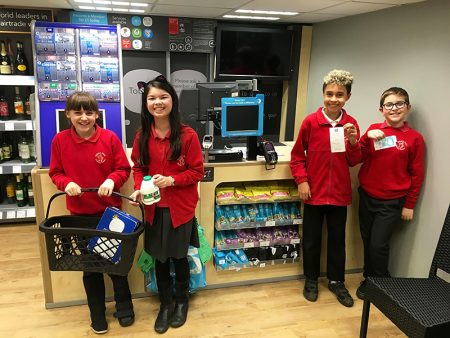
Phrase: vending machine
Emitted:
{"points": [[73, 57]]}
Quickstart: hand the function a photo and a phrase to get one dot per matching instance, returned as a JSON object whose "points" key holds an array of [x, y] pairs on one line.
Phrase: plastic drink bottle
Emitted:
{"points": [[149, 191]]}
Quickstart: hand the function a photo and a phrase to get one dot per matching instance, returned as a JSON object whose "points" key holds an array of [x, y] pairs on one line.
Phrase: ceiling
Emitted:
{"points": [[310, 11]]}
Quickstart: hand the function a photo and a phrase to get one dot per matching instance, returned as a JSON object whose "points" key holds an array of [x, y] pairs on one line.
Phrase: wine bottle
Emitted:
{"points": [[4, 108], [5, 61], [18, 105], [20, 197], [27, 107], [6, 149], [10, 191], [32, 147], [24, 150], [30, 191], [21, 60], [11, 57]]}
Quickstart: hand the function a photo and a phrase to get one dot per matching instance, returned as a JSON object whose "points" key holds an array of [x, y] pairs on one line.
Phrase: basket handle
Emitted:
{"points": [[95, 190]]}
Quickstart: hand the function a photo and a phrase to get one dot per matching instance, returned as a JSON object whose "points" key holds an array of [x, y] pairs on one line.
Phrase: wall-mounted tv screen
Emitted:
{"points": [[253, 52]]}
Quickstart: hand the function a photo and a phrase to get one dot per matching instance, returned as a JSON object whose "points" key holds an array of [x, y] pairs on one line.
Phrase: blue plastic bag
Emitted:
{"points": [[196, 271]]}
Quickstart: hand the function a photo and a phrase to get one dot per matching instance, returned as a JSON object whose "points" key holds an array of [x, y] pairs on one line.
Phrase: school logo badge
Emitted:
{"points": [[401, 145], [181, 160], [100, 157]]}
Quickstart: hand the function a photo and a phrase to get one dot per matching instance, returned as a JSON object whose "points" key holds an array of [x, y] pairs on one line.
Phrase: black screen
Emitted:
{"points": [[254, 52], [210, 95], [241, 118]]}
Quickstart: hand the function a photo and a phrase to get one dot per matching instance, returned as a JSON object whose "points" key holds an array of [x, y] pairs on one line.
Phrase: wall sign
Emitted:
{"points": [[156, 33], [146, 33], [19, 20], [191, 35]]}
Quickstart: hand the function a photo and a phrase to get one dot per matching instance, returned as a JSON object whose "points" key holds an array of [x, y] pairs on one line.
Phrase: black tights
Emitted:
{"points": [[162, 270]]}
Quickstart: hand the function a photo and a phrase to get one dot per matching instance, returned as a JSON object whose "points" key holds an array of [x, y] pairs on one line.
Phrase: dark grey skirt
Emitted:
{"points": [[162, 241]]}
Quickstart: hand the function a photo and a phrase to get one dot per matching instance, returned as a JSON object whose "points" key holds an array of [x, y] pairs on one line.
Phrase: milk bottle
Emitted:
{"points": [[149, 191]]}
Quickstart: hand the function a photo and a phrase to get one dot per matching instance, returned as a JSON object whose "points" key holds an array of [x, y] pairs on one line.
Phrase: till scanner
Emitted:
{"points": [[224, 155]]}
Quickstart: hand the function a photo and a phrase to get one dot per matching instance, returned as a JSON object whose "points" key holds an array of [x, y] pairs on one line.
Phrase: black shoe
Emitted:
{"points": [[338, 288], [164, 316], [126, 321], [310, 290], [179, 314], [125, 317], [100, 326], [361, 290]]}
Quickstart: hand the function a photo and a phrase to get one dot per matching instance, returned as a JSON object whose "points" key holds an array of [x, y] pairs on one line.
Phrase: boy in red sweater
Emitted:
{"points": [[326, 146], [390, 180]]}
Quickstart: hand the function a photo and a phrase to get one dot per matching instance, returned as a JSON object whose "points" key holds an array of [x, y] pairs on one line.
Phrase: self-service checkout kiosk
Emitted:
{"points": [[233, 111]]}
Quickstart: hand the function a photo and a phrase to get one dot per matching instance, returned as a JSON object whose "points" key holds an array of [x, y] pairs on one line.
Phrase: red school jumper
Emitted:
{"points": [[312, 161], [187, 171], [88, 163], [393, 172]]}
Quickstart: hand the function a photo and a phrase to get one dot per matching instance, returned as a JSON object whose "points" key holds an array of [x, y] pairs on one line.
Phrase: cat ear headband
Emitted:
{"points": [[159, 78]]}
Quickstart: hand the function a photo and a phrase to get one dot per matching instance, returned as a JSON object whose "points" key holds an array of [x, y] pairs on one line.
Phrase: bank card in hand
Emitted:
{"points": [[387, 142]]}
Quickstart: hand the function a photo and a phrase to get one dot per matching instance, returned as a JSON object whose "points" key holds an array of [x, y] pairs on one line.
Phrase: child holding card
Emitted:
{"points": [[390, 179], [326, 146]]}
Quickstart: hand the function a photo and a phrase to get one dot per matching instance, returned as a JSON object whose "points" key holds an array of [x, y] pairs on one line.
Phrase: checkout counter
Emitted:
{"points": [[65, 288]]}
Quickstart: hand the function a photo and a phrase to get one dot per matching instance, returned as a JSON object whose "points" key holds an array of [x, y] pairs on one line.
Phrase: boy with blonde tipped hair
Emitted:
{"points": [[326, 146]]}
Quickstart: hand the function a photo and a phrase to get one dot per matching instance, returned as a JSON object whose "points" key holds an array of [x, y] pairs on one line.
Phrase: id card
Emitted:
{"points": [[387, 142], [337, 141]]}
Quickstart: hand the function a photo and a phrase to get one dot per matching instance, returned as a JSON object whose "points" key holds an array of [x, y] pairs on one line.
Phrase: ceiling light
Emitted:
{"points": [[120, 3], [138, 4], [251, 17], [251, 11], [132, 10], [84, 1], [102, 2], [86, 7], [103, 9], [120, 10]]}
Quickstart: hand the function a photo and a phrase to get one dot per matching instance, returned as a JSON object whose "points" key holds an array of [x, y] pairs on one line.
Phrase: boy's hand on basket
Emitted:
{"points": [[136, 196], [106, 188], [73, 189]]}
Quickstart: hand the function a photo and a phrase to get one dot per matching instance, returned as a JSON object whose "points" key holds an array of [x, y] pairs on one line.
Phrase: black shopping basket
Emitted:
{"points": [[67, 238]]}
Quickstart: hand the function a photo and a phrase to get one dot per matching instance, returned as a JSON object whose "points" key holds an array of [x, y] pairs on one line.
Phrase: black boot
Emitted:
{"points": [[181, 304], [166, 308], [124, 305]]}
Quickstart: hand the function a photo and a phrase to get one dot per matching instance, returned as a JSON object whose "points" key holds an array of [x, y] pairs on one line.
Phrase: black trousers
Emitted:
{"points": [[94, 286], [336, 217], [377, 220]]}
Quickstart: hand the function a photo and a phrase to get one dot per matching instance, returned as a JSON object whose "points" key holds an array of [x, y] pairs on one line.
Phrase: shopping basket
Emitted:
{"points": [[67, 238]]}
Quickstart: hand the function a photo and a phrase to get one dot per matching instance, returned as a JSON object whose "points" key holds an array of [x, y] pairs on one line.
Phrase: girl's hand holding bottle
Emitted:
{"points": [[163, 181]]}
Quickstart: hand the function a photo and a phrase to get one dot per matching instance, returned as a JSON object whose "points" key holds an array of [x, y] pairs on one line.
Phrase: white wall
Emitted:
{"points": [[409, 47]]}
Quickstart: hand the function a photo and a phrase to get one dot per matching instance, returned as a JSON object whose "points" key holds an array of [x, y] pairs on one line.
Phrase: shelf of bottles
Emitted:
{"points": [[17, 148], [17, 198]]}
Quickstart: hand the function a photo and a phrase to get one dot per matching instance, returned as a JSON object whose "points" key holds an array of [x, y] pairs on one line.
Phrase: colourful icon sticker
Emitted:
{"points": [[136, 20], [136, 32]]}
